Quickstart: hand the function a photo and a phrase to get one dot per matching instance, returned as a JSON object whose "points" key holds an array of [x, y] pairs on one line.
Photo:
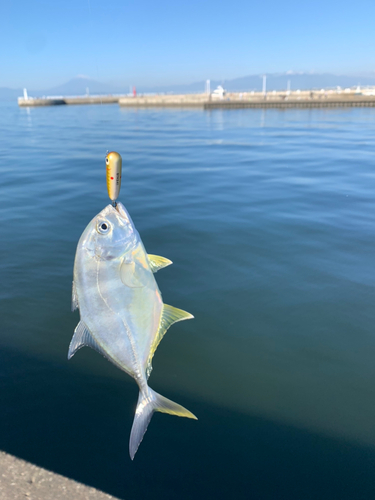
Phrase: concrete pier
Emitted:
{"points": [[238, 100], [54, 101], [47, 101], [281, 100], [292, 103], [168, 101]]}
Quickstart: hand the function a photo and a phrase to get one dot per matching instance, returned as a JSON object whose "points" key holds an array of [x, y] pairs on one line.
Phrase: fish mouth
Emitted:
{"points": [[121, 210], [123, 218]]}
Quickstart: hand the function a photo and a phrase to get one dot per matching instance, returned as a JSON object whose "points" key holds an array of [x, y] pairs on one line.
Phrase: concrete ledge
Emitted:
{"points": [[40, 102], [20, 480], [55, 101], [166, 101], [231, 101], [105, 99]]}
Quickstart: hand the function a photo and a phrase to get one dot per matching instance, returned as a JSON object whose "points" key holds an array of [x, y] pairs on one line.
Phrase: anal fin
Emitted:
{"points": [[169, 316], [157, 262], [82, 337]]}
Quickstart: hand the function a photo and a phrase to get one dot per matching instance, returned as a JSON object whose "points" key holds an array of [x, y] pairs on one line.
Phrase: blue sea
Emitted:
{"points": [[268, 216]]}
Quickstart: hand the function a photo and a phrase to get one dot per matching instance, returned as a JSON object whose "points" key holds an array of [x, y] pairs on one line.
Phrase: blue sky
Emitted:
{"points": [[45, 43]]}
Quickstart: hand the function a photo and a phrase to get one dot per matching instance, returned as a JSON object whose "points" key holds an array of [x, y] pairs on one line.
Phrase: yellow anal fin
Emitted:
{"points": [[169, 316], [157, 262]]}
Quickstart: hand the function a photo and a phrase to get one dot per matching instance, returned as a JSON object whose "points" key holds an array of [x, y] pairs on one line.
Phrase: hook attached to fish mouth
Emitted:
{"points": [[122, 211]]}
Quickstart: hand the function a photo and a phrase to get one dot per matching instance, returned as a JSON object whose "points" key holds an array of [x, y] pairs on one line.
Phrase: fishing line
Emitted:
{"points": [[96, 61], [97, 67]]}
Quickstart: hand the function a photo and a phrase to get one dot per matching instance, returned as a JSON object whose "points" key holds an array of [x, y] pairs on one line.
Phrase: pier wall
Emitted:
{"points": [[282, 100], [291, 103], [182, 100], [54, 101]]}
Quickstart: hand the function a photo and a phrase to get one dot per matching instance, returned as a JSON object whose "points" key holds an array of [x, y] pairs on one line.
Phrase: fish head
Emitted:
{"points": [[110, 234]]}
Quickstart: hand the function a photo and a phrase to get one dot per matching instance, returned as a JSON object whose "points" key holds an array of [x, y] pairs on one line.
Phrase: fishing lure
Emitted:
{"points": [[114, 173]]}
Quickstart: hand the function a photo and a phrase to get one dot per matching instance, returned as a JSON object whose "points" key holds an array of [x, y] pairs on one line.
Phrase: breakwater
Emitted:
{"points": [[281, 100], [60, 100], [253, 100], [291, 103], [168, 101]]}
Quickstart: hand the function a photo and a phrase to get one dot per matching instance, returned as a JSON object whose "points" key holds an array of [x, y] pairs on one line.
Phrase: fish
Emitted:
{"points": [[122, 314]]}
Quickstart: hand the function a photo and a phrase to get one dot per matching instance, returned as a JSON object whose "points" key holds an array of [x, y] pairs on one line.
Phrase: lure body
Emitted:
{"points": [[122, 314], [114, 173]]}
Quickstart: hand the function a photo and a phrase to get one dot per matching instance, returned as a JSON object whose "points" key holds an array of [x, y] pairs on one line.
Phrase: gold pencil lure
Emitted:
{"points": [[113, 163]]}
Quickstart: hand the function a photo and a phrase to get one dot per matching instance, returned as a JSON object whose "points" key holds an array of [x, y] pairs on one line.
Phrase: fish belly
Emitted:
{"points": [[122, 320]]}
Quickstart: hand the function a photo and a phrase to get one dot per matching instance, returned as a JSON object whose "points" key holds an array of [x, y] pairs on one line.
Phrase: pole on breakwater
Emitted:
{"points": [[264, 91]]}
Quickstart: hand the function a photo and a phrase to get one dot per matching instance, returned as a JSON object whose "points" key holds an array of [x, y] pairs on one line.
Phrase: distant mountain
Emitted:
{"points": [[79, 86], [76, 86], [279, 81], [302, 81], [276, 81]]}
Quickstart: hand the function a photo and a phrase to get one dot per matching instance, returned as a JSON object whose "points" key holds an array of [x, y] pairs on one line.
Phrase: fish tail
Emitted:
{"points": [[147, 404]]}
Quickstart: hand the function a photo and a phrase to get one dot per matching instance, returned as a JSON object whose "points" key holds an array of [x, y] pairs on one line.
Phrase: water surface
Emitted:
{"points": [[268, 217]]}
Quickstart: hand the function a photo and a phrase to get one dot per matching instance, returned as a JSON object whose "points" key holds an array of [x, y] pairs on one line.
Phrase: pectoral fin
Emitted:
{"points": [[157, 262], [82, 336], [132, 274], [169, 316]]}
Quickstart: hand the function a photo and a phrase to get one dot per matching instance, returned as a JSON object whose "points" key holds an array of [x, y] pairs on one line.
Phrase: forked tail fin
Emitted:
{"points": [[146, 406]]}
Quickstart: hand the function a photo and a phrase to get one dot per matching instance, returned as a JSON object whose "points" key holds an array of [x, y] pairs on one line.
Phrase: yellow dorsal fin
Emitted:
{"points": [[169, 316], [157, 262]]}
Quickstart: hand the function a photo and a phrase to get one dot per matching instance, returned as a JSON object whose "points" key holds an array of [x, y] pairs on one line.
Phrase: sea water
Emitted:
{"points": [[268, 217]]}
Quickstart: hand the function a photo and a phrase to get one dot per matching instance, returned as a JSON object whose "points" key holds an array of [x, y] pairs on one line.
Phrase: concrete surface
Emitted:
{"points": [[20, 480]]}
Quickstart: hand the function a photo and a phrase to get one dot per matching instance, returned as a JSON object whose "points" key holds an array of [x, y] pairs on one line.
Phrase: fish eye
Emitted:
{"points": [[103, 227], [107, 161]]}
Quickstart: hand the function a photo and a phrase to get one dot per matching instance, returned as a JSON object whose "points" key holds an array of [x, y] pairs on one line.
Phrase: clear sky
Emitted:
{"points": [[149, 42]]}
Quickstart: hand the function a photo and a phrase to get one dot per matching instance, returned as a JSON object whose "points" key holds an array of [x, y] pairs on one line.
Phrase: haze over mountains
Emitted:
{"points": [[276, 81]]}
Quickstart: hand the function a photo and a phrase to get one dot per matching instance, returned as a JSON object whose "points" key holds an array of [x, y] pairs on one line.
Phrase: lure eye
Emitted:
{"points": [[103, 227], [107, 161]]}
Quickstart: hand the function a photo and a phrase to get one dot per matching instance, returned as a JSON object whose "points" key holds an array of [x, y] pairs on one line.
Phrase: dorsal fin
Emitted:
{"points": [[169, 316], [74, 298], [82, 336], [157, 262]]}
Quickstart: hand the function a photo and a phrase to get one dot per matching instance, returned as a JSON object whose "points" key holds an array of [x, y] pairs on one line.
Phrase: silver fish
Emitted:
{"points": [[122, 315]]}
